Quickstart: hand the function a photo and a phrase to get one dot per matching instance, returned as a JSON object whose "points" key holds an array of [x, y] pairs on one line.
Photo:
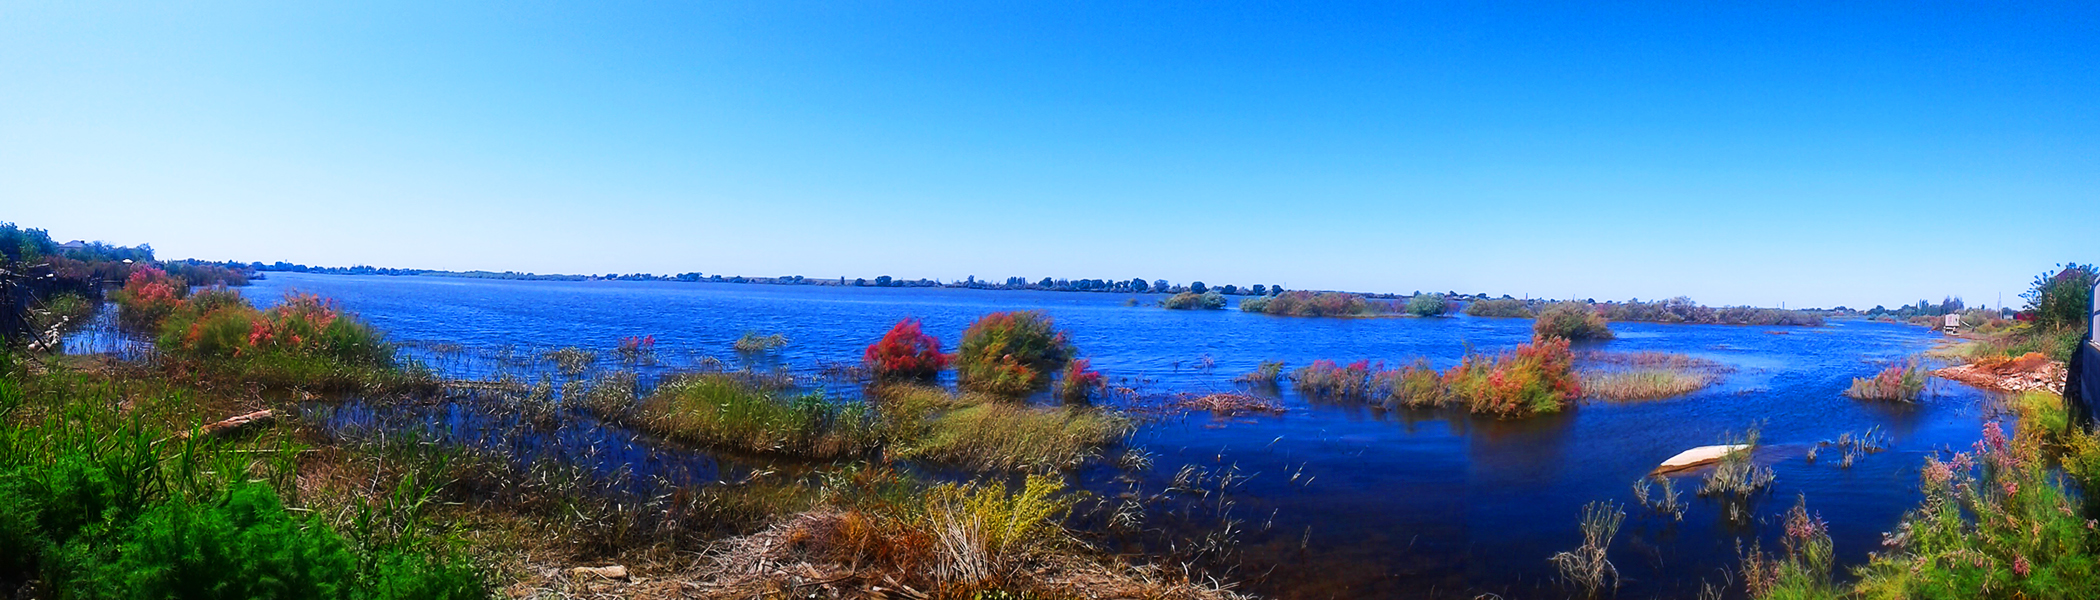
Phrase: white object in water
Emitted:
{"points": [[1698, 456]]}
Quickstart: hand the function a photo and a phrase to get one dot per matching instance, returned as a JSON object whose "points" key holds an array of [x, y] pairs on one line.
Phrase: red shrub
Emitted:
{"points": [[1080, 382], [906, 353]]}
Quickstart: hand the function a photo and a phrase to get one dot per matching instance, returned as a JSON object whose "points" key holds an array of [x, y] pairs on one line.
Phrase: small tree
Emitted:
{"points": [[906, 353], [2062, 299]]}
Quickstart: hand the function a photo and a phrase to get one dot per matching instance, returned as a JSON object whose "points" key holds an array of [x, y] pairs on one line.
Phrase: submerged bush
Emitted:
{"points": [[1897, 382], [1328, 379], [1415, 385], [753, 343], [1079, 382], [1267, 373], [1191, 300], [1427, 305], [1536, 378], [1010, 353], [1573, 321], [1308, 304], [905, 353], [1500, 308]]}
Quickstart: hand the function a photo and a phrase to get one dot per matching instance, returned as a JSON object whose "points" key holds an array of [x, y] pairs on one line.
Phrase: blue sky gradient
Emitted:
{"points": [[1809, 153]]}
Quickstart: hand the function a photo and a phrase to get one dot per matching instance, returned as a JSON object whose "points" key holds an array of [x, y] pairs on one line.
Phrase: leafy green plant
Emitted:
{"points": [[1427, 305]]}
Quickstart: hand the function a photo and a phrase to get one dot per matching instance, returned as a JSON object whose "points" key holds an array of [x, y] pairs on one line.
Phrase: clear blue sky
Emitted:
{"points": [[1813, 153]]}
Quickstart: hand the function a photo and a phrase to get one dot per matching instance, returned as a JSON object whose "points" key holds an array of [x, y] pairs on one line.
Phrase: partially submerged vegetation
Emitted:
{"points": [[1903, 382], [1571, 321], [302, 342], [1309, 304], [1534, 378], [1684, 310], [754, 343], [1192, 300], [1638, 376], [1503, 308], [1010, 353], [905, 354]]}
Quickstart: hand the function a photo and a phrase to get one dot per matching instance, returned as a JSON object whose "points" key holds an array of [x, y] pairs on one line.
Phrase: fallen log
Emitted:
{"points": [[229, 426], [1696, 457]]}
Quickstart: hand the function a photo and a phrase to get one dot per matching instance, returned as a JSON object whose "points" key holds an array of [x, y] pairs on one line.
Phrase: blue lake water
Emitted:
{"points": [[1344, 500]]}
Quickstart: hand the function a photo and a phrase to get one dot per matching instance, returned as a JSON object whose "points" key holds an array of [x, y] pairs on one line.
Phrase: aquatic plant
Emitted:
{"points": [[1079, 382], [1994, 524], [1666, 501], [1802, 567], [1010, 353], [1309, 304], [1191, 300], [641, 350], [571, 361], [905, 353], [723, 411], [1427, 305], [1267, 373], [1573, 321], [1329, 379], [1415, 385], [1903, 382], [1507, 308], [1003, 436], [1738, 477], [1536, 378], [1589, 567], [1643, 384], [754, 343]]}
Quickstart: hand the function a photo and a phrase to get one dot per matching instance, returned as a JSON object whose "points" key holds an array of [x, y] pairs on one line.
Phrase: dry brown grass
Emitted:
{"points": [[1643, 384]]}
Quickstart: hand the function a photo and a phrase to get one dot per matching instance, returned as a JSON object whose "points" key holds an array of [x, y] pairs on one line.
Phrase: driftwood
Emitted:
{"points": [[229, 426], [1696, 457]]}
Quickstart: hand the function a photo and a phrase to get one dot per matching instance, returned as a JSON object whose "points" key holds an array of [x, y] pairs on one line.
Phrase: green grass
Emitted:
{"points": [[985, 432]]}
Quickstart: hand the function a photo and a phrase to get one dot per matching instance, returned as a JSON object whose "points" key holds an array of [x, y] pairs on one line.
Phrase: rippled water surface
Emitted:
{"points": [[1383, 503]]}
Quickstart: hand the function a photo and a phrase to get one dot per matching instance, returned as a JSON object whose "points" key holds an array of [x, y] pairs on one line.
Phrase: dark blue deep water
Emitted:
{"points": [[1384, 503]]}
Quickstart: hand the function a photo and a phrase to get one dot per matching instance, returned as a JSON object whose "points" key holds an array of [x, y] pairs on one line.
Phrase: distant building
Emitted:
{"points": [[71, 246]]}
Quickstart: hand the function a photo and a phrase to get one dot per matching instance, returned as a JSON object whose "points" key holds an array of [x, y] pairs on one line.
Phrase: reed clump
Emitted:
{"points": [[1589, 567], [722, 411], [1901, 383], [753, 342], [1643, 384], [982, 432], [1802, 567]]}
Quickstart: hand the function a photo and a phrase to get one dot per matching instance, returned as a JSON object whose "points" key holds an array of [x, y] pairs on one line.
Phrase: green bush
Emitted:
{"points": [[1191, 300], [1010, 353], [2063, 299], [1427, 305]]}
